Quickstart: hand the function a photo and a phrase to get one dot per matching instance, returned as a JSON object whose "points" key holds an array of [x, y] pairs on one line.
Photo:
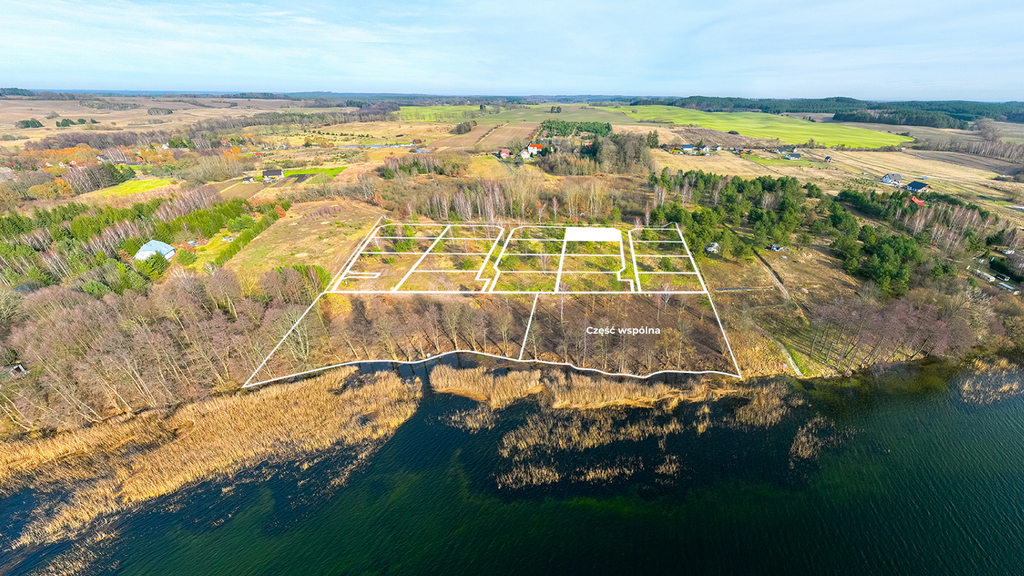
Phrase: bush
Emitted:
{"points": [[95, 289], [186, 258], [153, 266], [241, 223]]}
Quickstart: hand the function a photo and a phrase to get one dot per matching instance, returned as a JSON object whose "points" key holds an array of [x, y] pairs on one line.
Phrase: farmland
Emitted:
{"points": [[504, 135], [453, 114], [769, 126], [461, 140], [130, 187]]}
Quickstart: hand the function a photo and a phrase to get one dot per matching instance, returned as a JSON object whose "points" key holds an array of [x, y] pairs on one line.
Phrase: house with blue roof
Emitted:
{"points": [[154, 247]]}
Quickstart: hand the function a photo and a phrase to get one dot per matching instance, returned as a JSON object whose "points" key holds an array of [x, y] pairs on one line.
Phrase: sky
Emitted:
{"points": [[869, 49]]}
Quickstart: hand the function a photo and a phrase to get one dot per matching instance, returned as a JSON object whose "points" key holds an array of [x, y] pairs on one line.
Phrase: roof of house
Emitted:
{"points": [[915, 186], [535, 146], [273, 173], [156, 247], [893, 176]]}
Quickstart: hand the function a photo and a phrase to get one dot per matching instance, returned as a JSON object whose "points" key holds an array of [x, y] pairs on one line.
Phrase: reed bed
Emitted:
{"points": [[477, 383], [766, 408], [990, 381], [111, 467], [569, 391]]}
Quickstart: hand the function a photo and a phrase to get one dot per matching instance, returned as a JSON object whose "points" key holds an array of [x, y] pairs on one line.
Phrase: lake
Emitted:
{"points": [[897, 476]]}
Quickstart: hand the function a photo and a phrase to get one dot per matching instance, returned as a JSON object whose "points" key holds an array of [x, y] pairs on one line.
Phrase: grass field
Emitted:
{"points": [[781, 161], [330, 172], [436, 113], [718, 163], [322, 233], [131, 187], [570, 113], [760, 125]]}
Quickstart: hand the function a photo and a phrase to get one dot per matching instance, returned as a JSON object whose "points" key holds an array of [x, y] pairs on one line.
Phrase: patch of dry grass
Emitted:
{"points": [[112, 466]]}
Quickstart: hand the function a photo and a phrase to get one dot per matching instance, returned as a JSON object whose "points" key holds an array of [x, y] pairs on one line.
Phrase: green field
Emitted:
{"points": [[532, 113], [781, 161], [132, 187], [436, 113], [758, 125], [569, 113], [330, 172]]}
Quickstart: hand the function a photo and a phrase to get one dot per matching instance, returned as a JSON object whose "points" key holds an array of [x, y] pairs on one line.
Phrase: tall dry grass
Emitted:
{"points": [[477, 383], [570, 390], [111, 467]]}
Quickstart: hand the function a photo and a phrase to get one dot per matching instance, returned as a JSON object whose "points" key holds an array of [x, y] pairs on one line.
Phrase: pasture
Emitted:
{"points": [[757, 125], [129, 188]]}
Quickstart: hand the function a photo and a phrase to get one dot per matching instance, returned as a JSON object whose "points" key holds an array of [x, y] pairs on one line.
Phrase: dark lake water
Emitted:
{"points": [[909, 482]]}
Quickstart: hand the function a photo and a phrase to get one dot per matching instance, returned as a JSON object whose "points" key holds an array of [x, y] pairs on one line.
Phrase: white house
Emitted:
{"points": [[154, 247]]}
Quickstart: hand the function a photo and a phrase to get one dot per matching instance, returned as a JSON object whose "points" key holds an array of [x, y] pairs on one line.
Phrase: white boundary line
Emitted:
{"points": [[489, 355], [409, 273], [490, 284], [355, 257], [529, 323], [711, 301]]}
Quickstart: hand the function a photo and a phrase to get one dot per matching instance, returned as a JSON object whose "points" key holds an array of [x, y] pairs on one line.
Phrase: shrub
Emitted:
{"points": [[186, 258], [95, 289]]}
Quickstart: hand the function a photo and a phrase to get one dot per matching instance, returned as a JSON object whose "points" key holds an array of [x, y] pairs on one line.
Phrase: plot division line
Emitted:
{"points": [[528, 324]]}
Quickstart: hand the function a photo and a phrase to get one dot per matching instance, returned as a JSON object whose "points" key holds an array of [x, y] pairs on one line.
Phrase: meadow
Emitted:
{"points": [[436, 113], [758, 125], [330, 172], [130, 187]]}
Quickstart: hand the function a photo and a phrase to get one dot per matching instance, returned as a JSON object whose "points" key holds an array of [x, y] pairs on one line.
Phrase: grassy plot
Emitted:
{"points": [[781, 161], [436, 113], [569, 113], [131, 187], [760, 125], [315, 233], [330, 172]]}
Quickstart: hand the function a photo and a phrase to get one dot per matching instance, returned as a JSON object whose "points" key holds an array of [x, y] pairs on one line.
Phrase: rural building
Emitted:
{"points": [[688, 148], [504, 153], [917, 186], [534, 148], [248, 179], [273, 174], [892, 178], [525, 154], [154, 247], [711, 248], [828, 159], [718, 148], [792, 156]]}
